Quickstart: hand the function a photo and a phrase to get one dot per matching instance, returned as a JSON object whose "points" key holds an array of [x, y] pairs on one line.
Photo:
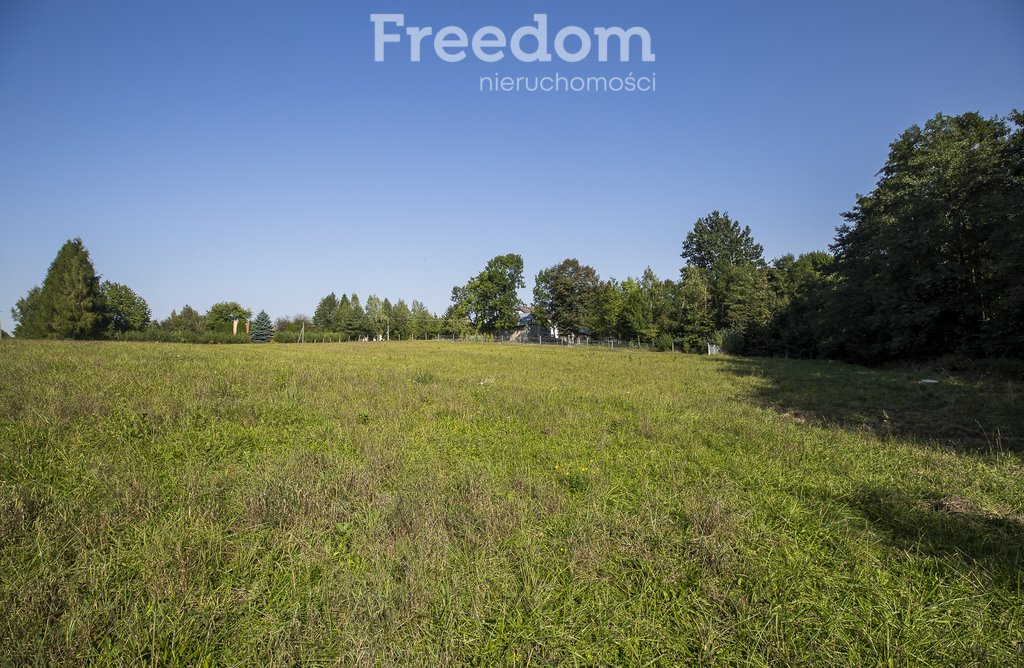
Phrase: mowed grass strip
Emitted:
{"points": [[433, 503]]}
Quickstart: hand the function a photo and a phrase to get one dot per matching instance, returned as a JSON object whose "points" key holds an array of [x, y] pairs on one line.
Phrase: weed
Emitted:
{"points": [[427, 504]]}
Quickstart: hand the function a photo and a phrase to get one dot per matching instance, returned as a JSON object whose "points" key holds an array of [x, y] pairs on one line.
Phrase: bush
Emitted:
{"points": [[731, 341], [312, 337], [664, 343], [165, 336]]}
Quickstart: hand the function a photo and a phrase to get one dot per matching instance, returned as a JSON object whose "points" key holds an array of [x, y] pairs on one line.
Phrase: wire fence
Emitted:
{"points": [[503, 339], [534, 338]]}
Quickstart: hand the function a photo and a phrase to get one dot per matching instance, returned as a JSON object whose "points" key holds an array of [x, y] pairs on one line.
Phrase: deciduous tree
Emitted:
{"points": [[563, 295], [490, 300], [930, 262], [126, 311]]}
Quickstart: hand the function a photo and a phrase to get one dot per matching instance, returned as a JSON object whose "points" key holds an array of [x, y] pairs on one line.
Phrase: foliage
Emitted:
{"points": [[354, 324], [69, 304], [29, 318], [930, 262], [717, 240], [161, 335], [261, 330], [221, 316], [607, 308], [636, 319], [324, 315], [295, 323], [343, 316], [311, 336], [696, 323], [188, 320], [376, 322], [401, 320], [564, 295], [423, 323], [125, 310], [803, 288], [664, 343], [732, 267], [489, 302]]}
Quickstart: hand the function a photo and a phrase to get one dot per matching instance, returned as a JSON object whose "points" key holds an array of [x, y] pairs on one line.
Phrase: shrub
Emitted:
{"points": [[164, 336]]}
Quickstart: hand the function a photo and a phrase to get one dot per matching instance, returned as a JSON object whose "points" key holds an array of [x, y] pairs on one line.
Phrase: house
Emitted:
{"points": [[529, 330]]}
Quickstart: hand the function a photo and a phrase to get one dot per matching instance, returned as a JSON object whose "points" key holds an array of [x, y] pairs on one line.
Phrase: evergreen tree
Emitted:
{"points": [[260, 329], [732, 266], [342, 315], [424, 323], [323, 316], [69, 304], [355, 323], [401, 318]]}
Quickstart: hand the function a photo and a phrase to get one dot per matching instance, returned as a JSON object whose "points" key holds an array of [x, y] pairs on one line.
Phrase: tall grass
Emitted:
{"points": [[426, 504]]}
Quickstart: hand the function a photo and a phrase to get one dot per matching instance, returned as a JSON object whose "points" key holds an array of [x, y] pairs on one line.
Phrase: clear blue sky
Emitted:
{"points": [[254, 151]]}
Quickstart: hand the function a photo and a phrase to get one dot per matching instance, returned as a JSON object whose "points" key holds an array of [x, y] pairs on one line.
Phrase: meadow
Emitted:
{"points": [[472, 504]]}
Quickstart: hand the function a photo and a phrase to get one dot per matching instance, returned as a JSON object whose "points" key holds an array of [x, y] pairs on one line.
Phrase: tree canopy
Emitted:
{"points": [[188, 320], [69, 304], [220, 316], [126, 311], [489, 302], [930, 262], [323, 316], [563, 295], [716, 239]]}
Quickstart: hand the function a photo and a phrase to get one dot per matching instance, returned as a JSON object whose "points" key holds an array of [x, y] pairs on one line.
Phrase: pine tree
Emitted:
{"points": [[342, 315], [323, 317], [260, 329], [69, 304]]}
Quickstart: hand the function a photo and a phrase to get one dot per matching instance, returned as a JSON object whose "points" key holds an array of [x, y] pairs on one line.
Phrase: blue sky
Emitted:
{"points": [[254, 151]]}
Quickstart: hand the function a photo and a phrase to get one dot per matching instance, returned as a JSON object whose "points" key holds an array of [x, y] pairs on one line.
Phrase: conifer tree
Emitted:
{"points": [[69, 304], [261, 330], [323, 317]]}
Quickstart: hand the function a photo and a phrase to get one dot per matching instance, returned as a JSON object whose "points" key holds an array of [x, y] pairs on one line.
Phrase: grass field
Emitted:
{"points": [[435, 503]]}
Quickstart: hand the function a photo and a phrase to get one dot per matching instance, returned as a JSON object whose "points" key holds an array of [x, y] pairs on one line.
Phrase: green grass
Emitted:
{"points": [[432, 504]]}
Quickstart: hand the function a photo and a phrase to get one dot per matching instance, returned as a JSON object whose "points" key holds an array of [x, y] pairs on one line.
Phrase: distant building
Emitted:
{"points": [[530, 330]]}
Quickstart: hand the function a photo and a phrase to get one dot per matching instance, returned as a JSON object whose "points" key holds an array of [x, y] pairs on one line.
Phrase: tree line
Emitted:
{"points": [[72, 303], [927, 264]]}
